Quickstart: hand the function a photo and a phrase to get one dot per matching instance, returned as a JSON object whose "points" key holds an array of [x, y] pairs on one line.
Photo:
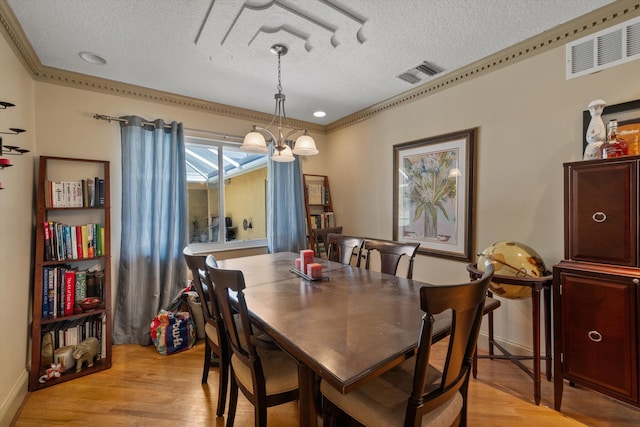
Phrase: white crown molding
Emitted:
{"points": [[612, 14]]}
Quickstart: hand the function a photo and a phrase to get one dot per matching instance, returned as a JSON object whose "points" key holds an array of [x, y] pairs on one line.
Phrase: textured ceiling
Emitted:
{"points": [[343, 55]]}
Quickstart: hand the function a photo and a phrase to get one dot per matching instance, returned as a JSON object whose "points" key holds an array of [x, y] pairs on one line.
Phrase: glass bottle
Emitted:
{"points": [[614, 146]]}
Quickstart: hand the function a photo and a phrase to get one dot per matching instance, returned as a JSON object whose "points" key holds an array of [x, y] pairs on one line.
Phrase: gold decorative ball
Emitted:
{"points": [[512, 259]]}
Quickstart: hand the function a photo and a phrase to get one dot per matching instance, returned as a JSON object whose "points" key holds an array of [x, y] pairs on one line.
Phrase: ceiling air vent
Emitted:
{"points": [[420, 72], [604, 49]]}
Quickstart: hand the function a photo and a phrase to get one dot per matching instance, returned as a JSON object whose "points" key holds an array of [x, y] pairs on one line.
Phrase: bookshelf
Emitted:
{"points": [[319, 206], [73, 197]]}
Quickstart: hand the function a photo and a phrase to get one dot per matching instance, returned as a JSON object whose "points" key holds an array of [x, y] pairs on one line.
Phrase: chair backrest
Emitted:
{"points": [[320, 238], [197, 264], [341, 248], [241, 337], [390, 254], [466, 302]]}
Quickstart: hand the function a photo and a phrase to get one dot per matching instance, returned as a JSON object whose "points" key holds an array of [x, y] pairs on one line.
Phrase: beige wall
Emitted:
{"points": [[530, 122], [16, 225]]}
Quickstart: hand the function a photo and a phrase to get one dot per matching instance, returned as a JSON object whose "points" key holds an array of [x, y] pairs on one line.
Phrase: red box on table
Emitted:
{"points": [[306, 257], [314, 270]]}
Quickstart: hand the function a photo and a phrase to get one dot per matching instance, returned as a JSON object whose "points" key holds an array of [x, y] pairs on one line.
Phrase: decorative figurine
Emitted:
{"points": [[85, 352], [52, 372], [596, 132]]}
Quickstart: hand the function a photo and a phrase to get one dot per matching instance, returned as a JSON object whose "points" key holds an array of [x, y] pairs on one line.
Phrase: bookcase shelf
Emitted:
{"points": [[319, 206], [58, 321]]}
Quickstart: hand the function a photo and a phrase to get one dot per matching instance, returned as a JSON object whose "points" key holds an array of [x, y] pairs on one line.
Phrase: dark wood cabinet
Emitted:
{"points": [[596, 286], [601, 212]]}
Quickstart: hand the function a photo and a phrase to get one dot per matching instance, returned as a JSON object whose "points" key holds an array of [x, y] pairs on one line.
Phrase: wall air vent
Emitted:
{"points": [[604, 49], [420, 72]]}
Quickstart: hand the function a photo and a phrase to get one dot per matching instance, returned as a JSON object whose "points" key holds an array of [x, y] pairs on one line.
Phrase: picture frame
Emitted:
{"points": [[627, 114], [441, 220]]}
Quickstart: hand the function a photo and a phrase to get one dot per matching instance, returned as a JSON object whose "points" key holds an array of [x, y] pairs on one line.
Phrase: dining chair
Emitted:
{"points": [[320, 238], [390, 253], [415, 393], [215, 336], [267, 376], [342, 248]]}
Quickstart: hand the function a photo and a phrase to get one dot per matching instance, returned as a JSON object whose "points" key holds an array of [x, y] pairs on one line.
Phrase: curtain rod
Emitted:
{"points": [[208, 132]]}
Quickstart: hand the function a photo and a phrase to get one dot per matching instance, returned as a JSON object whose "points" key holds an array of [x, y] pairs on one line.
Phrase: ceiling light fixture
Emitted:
{"points": [[92, 58], [319, 114], [254, 141]]}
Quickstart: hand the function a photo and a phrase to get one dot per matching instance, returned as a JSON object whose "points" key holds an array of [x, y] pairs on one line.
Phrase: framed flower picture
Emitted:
{"points": [[433, 186]]}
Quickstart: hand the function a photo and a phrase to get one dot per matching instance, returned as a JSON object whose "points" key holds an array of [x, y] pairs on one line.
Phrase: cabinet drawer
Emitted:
{"points": [[599, 332], [600, 213]]}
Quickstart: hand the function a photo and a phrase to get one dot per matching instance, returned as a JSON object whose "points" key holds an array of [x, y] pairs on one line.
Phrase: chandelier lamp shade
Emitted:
{"points": [[255, 142]]}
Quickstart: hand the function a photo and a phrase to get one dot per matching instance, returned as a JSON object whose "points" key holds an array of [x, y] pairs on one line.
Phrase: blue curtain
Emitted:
{"points": [[154, 226], [285, 206]]}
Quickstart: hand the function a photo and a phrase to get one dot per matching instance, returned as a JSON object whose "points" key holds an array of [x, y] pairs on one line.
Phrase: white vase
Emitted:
{"points": [[596, 132]]}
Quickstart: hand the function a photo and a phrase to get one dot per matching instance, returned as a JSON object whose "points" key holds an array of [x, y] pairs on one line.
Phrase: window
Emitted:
{"points": [[231, 214]]}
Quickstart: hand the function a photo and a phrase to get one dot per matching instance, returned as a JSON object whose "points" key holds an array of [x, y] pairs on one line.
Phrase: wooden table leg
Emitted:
{"points": [[535, 309], [547, 329], [307, 401]]}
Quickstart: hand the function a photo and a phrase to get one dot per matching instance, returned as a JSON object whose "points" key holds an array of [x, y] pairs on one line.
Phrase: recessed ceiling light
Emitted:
{"points": [[319, 114], [92, 58]]}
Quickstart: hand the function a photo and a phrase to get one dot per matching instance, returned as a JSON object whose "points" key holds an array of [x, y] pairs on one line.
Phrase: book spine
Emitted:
{"points": [[69, 292], [90, 243], [84, 241], [99, 235], [68, 247], [68, 194], [45, 292], [81, 288], [91, 194], [52, 292], [47, 242], [85, 194], [74, 242], [60, 272], [60, 242], [101, 195], [96, 196]]}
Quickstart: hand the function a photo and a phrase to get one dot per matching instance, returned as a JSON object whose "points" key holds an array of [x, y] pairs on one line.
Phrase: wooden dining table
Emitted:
{"points": [[347, 329]]}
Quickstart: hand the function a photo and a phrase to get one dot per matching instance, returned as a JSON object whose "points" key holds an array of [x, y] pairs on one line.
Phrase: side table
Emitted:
{"points": [[537, 285]]}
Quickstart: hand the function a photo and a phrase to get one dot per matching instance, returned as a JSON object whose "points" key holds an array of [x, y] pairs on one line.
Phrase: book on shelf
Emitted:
{"points": [[323, 220], [84, 241], [91, 192], [74, 194], [62, 242], [69, 292], [80, 289], [101, 195]]}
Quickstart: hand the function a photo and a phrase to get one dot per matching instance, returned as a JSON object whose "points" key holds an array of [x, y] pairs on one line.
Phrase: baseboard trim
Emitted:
{"points": [[11, 405]]}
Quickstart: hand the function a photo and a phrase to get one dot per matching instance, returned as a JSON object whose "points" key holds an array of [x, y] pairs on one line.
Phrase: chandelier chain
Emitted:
{"points": [[279, 75]]}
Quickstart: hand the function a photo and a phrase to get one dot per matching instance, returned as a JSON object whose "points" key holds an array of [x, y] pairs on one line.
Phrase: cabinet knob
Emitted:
{"points": [[599, 217], [636, 281], [594, 336]]}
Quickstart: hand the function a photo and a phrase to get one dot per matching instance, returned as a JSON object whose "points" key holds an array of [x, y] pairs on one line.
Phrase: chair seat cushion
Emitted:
{"points": [[382, 402], [280, 371]]}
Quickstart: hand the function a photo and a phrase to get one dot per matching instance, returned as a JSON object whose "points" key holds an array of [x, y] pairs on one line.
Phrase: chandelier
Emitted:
{"points": [[254, 141]]}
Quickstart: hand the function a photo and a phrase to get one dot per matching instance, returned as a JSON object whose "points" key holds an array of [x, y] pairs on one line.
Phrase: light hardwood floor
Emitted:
{"points": [[146, 389]]}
